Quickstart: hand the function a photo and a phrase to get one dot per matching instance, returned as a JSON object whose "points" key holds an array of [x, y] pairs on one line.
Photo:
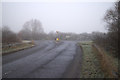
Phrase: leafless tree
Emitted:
{"points": [[32, 30], [110, 39], [8, 36], [112, 20]]}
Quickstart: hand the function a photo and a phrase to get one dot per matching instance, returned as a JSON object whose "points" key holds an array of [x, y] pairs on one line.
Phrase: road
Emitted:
{"points": [[47, 59]]}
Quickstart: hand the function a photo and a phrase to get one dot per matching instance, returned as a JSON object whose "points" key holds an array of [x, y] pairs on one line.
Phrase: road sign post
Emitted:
{"points": [[57, 38]]}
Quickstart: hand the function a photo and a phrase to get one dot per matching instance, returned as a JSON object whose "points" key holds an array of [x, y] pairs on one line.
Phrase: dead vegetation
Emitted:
{"points": [[108, 63]]}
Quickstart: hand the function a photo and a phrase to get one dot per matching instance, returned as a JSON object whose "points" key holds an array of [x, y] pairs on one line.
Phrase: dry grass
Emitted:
{"points": [[107, 62]]}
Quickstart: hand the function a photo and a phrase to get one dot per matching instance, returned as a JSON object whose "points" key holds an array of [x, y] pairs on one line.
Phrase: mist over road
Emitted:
{"points": [[48, 59]]}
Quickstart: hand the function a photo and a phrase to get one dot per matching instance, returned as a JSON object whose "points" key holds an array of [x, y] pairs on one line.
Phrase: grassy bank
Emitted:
{"points": [[109, 64], [21, 46], [90, 67], [97, 63]]}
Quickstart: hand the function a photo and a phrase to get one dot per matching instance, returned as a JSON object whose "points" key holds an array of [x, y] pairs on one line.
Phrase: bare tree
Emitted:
{"points": [[112, 20], [8, 36], [110, 39], [32, 30]]}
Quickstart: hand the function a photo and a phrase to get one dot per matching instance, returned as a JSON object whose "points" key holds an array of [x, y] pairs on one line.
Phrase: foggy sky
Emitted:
{"points": [[64, 17]]}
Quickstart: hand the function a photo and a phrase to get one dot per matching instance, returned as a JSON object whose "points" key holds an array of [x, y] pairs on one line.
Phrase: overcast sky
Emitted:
{"points": [[64, 17]]}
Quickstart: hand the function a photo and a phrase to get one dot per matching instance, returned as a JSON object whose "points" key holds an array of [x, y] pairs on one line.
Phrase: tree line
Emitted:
{"points": [[33, 30]]}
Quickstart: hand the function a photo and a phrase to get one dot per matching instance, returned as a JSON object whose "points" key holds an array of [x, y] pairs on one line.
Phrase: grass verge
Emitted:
{"points": [[97, 63], [90, 66], [109, 64], [15, 48]]}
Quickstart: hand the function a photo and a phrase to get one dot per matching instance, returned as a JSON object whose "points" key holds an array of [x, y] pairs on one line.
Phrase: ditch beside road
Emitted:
{"points": [[97, 63]]}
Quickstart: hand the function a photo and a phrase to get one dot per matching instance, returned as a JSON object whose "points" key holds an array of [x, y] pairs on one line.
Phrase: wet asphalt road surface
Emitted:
{"points": [[47, 59]]}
